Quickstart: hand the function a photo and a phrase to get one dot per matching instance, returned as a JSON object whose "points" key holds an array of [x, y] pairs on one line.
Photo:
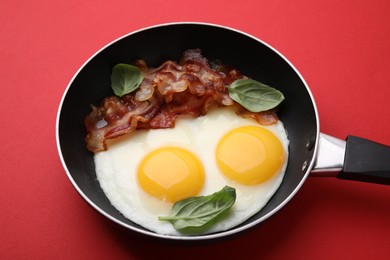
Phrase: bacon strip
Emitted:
{"points": [[189, 87]]}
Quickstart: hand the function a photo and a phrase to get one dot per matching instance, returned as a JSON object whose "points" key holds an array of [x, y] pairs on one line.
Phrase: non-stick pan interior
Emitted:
{"points": [[157, 44]]}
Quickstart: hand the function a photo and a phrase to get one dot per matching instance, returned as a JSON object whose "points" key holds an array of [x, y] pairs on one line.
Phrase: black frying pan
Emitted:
{"points": [[249, 55]]}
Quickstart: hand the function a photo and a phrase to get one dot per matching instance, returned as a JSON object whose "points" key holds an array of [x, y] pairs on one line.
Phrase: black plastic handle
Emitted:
{"points": [[366, 161]]}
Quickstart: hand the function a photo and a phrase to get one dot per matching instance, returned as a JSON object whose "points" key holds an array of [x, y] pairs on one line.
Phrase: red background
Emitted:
{"points": [[340, 47]]}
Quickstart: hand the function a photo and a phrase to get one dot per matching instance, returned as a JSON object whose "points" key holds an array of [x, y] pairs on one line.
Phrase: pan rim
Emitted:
{"points": [[226, 233]]}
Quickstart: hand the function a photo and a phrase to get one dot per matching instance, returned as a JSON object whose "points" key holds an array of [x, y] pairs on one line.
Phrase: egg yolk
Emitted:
{"points": [[250, 155], [171, 174]]}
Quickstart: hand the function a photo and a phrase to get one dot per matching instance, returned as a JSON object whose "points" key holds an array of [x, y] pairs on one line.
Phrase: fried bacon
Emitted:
{"points": [[189, 87]]}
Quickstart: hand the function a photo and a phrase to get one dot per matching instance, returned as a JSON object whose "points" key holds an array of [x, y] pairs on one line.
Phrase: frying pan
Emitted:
{"points": [[310, 150]]}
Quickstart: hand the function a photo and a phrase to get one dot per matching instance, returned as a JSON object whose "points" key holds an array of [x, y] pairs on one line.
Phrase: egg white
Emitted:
{"points": [[116, 169]]}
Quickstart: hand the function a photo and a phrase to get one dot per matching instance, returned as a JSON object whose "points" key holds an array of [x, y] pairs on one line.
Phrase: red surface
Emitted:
{"points": [[340, 47]]}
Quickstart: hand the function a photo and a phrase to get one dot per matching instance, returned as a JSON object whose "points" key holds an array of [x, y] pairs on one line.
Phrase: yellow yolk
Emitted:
{"points": [[250, 155], [171, 174]]}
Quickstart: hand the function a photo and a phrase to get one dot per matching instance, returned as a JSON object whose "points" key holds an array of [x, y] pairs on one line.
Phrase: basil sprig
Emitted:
{"points": [[196, 214], [254, 96], [125, 79]]}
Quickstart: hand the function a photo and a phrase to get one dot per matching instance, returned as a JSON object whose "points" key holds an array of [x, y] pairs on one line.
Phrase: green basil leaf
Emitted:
{"points": [[254, 96], [125, 79], [197, 214]]}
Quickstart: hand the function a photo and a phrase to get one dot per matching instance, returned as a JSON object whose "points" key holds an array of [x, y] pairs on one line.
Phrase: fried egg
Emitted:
{"points": [[144, 173]]}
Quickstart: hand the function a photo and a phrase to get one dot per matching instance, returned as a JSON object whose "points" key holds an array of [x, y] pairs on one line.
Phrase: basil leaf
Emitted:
{"points": [[196, 214], [125, 79], [254, 96]]}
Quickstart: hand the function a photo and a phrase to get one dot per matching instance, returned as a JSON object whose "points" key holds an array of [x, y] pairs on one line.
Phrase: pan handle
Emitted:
{"points": [[354, 159]]}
